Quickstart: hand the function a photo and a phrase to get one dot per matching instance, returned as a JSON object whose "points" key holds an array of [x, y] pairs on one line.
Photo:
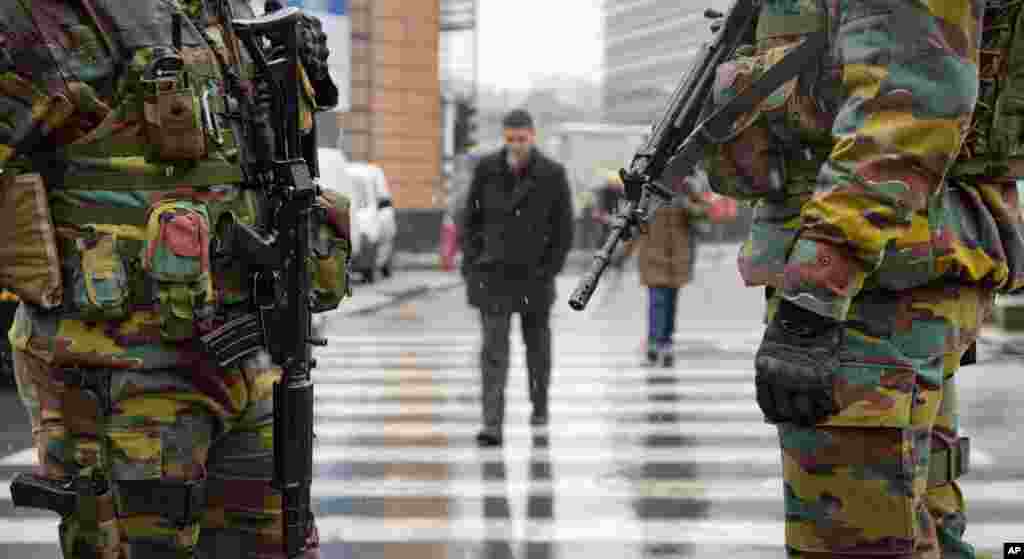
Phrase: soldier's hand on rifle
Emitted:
{"points": [[313, 53], [313, 49], [796, 364]]}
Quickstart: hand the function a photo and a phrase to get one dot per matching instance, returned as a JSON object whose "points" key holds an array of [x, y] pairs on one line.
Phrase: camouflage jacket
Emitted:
{"points": [[75, 107], [891, 184]]}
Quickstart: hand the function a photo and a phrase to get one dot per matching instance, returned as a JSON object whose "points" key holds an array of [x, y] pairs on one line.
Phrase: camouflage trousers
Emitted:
{"points": [[162, 429], [857, 485]]}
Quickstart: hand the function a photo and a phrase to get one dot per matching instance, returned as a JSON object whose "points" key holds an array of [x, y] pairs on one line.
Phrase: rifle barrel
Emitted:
{"points": [[673, 148], [585, 288]]}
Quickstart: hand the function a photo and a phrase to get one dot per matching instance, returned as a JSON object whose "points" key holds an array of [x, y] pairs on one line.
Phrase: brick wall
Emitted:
{"points": [[395, 119]]}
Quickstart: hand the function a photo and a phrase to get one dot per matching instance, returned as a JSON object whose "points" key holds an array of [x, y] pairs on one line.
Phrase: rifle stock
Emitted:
{"points": [[673, 134]]}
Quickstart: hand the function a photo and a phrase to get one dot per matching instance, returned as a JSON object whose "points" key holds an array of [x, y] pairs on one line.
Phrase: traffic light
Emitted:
{"points": [[465, 125]]}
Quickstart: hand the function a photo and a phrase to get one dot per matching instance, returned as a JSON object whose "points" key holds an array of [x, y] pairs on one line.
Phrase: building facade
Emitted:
{"points": [[648, 47], [394, 118]]}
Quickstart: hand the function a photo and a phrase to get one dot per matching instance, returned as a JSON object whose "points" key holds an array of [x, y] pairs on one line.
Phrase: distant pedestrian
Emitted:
{"points": [[666, 255], [610, 195], [517, 230]]}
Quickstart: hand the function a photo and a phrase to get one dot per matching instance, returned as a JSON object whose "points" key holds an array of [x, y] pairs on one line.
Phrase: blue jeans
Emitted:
{"points": [[661, 315]]}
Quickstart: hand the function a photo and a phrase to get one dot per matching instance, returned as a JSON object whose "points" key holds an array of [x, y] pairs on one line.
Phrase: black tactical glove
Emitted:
{"points": [[796, 365], [313, 53], [313, 49]]}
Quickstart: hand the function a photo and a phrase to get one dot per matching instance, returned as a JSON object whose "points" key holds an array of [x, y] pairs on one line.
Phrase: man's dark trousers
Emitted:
{"points": [[494, 361]]}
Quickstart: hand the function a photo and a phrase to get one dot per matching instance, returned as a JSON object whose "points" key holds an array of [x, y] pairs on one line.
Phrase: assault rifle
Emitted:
{"points": [[276, 251], [678, 139]]}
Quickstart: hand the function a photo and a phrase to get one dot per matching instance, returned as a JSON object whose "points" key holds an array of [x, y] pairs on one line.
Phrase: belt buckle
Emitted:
{"points": [[963, 458], [74, 377], [193, 500]]}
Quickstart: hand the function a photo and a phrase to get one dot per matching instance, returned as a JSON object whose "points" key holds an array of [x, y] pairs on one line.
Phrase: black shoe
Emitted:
{"points": [[668, 358], [488, 437], [652, 355]]}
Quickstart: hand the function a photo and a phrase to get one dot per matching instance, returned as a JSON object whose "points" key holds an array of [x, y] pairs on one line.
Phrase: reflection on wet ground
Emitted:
{"points": [[612, 444], [638, 462], [616, 474], [506, 549]]}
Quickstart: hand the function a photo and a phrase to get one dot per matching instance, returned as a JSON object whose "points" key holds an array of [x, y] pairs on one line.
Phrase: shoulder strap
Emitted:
{"points": [[717, 128], [101, 26]]}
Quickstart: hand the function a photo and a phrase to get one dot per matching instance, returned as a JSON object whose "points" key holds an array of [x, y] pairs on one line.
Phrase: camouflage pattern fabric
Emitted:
{"points": [[102, 132], [892, 206], [164, 426], [904, 227], [858, 483], [73, 105]]}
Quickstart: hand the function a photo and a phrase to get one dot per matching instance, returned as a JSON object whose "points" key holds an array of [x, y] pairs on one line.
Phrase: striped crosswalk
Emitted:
{"points": [[637, 461]]}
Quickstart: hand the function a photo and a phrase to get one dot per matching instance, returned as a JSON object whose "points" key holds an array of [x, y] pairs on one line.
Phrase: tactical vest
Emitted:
{"points": [[993, 146], [139, 201]]}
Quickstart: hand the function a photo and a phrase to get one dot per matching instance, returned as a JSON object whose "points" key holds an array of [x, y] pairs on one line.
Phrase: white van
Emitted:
{"points": [[370, 178], [372, 219]]}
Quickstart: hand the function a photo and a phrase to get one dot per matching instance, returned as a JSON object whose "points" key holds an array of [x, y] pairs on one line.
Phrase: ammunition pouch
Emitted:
{"points": [[29, 263], [949, 460], [118, 259], [98, 264], [177, 257], [330, 262], [173, 126], [180, 502]]}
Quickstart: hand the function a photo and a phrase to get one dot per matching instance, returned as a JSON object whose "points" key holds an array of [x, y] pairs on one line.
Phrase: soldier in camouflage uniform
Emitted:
{"points": [[886, 218], [170, 454]]}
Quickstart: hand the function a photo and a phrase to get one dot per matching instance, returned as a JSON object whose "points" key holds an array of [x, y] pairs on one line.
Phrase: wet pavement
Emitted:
{"points": [[637, 461]]}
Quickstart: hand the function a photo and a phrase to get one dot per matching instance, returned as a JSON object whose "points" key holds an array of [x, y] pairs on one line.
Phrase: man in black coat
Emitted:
{"points": [[516, 233]]}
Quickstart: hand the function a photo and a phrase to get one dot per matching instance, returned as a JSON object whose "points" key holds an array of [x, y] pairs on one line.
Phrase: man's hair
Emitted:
{"points": [[517, 118]]}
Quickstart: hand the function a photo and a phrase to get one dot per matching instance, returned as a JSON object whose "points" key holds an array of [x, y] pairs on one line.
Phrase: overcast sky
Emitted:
{"points": [[522, 38]]}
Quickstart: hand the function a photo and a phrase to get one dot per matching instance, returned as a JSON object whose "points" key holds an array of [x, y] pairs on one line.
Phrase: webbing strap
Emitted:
{"points": [[181, 502], [124, 148], [948, 464], [135, 173], [718, 127], [771, 25], [84, 215]]}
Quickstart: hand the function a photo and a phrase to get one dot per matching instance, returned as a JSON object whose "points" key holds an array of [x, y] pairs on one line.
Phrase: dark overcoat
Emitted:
{"points": [[516, 233]]}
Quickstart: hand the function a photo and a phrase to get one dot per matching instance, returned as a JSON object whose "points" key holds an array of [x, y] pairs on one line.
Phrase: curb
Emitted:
{"points": [[578, 257], [403, 296], [400, 297], [432, 260], [1005, 344]]}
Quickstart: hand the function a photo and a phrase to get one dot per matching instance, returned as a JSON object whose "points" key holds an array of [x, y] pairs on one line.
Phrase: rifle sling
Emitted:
{"points": [[717, 128]]}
